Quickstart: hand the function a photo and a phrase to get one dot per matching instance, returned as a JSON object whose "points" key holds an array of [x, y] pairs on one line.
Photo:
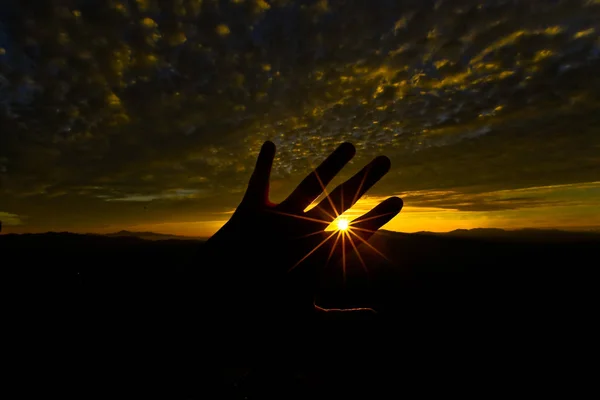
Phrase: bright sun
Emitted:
{"points": [[342, 224]]}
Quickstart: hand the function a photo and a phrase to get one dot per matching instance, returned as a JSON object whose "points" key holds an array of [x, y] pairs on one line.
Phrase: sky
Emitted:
{"points": [[148, 116]]}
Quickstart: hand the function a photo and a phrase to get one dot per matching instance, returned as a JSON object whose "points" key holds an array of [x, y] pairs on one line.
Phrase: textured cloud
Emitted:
{"points": [[10, 219], [145, 113], [584, 194]]}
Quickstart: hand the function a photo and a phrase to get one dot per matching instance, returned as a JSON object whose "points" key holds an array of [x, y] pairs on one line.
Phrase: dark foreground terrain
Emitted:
{"points": [[105, 312]]}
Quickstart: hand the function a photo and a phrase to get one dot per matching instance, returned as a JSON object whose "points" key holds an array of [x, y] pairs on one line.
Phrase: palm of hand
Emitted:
{"points": [[265, 257]]}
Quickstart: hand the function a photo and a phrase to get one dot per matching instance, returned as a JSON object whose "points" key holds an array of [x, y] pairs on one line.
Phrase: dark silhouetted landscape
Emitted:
{"points": [[465, 291]]}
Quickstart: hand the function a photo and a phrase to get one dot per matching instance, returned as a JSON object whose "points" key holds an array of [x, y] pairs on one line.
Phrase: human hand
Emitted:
{"points": [[263, 261]]}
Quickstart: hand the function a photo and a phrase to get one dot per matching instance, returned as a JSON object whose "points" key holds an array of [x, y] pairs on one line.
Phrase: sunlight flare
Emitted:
{"points": [[344, 230], [343, 224]]}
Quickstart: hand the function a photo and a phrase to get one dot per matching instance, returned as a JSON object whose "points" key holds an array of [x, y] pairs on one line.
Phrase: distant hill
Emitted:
{"points": [[495, 234], [152, 236], [526, 234]]}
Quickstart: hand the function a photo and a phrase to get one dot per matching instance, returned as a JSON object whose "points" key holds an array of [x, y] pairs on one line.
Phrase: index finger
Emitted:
{"points": [[258, 187]]}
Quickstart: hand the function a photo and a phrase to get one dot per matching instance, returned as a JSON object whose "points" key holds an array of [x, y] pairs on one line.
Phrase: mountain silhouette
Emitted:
{"points": [[151, 235], [524, 234]]}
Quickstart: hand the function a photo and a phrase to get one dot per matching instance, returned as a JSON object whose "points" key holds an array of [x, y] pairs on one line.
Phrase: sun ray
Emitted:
{"points": [[344, 257], [309, 235], [312, 251], [337, 239], [362, 229], [327, 195], [341, 200], [362, 262], [370, 246], [358, 220], [302, 217], [326, 213], [362, 182]]}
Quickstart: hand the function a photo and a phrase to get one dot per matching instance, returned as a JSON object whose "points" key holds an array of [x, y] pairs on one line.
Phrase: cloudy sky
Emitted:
{"points": [[147, 115]]}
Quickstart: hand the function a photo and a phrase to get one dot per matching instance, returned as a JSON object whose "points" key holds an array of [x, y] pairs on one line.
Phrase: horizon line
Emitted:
{"points": [[589, 229]]}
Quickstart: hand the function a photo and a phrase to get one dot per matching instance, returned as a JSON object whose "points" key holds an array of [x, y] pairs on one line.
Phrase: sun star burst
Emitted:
{"points": [[343, 235], [343, 224]]}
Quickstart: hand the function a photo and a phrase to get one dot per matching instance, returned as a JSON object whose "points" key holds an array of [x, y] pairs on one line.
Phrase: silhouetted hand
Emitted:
{"points": [[262, 263]]}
